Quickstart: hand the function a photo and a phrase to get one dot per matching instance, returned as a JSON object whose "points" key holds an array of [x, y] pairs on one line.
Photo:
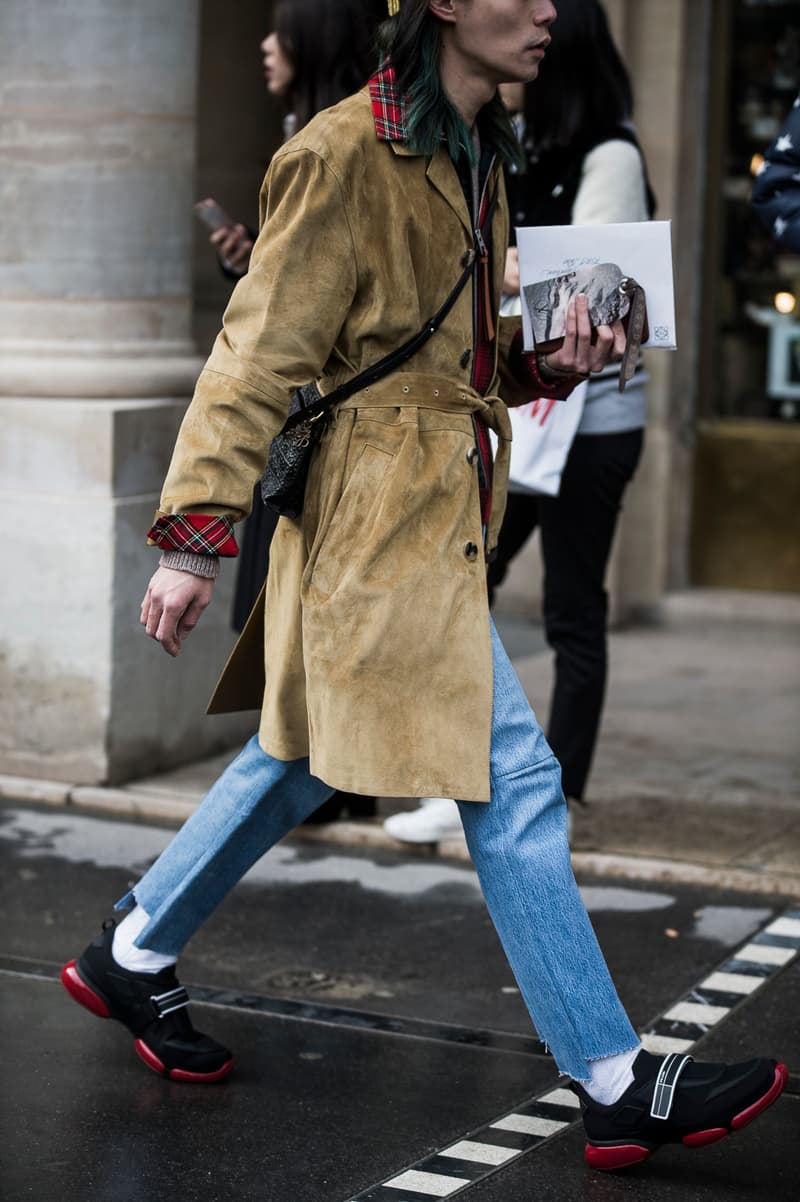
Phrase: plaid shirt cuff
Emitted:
{"points": [[196, 533], [525, 368]]}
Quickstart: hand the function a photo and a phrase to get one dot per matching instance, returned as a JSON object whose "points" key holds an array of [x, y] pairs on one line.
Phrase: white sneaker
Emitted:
{"points": [[436, 818]]}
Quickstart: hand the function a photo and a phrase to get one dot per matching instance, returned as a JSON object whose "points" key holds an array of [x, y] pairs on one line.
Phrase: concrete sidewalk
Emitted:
{"points": [[696, 773]]}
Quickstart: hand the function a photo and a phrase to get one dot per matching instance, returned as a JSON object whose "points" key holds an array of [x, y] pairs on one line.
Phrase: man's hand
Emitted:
{"points": [[579, 355], [172, 606], [233, 245]]}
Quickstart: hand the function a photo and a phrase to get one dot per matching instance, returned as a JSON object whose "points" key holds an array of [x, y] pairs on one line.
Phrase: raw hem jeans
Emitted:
{"points": [[518, 844]]}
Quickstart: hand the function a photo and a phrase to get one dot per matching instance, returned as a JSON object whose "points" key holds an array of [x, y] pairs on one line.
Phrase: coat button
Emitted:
{"points": [[472, 454], [471, 551]]}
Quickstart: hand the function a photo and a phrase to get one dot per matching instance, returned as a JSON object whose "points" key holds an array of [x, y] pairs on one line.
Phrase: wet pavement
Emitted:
{"points": [[378, 1033]]}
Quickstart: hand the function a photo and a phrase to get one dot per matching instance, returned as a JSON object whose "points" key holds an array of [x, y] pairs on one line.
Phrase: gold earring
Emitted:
{"points": [[394, 7]]}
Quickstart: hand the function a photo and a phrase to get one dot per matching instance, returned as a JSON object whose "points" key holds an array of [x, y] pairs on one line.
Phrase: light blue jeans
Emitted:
{"points": [[518, 844]]}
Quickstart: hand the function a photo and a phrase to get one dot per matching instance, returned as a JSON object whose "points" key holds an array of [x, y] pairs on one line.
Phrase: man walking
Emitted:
{"points": [[383, 671]]}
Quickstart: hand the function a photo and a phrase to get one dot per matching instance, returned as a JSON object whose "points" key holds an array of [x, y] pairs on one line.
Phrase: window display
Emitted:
{"points": [[757, 292]]}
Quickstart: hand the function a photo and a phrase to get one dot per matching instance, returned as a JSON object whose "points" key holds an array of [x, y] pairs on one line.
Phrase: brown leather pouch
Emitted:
{"points": [[612, 295]]}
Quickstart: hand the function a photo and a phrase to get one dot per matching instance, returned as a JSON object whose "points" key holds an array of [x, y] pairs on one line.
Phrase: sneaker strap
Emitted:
{"points": [[164, 1003], [666, 1081]]}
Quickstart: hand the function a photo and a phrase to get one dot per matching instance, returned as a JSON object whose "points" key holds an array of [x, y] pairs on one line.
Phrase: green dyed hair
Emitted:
{"points": [[412, 41]]}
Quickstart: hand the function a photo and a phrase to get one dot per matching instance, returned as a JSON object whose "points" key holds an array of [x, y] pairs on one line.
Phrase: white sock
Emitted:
{"points": [[611, 1076], [136, 959]]}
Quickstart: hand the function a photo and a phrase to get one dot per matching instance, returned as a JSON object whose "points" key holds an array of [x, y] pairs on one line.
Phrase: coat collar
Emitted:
{"points": [[388, 109], [389, 115]]}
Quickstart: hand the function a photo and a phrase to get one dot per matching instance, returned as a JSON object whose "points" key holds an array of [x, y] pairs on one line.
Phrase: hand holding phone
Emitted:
{"points": [[231, 240]]}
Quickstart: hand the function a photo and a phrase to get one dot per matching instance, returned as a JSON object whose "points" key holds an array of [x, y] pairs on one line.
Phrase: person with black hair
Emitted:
{"points": [[318, 52], [383, 670], [583, 165]]}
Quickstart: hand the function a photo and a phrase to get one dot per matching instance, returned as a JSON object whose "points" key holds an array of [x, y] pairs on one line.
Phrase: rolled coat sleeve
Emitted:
{"points": [[279, 331]]}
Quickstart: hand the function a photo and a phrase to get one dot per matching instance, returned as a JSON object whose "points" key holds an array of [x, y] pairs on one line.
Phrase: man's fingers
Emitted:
{"points": [[570, 327], [582, 316], [190, 619], [603, 347], [620, 340], [167, 630], [153, 620], [583, 347], [242, 255], [145, 607]]}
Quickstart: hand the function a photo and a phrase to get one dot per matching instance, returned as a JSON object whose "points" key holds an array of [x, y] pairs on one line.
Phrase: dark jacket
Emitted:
{"points": [[776, 195]]}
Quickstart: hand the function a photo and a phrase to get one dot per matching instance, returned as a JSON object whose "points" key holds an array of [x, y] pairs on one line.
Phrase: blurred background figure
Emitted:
{"points": [[318, 52], [583, 165], [776, 194]]}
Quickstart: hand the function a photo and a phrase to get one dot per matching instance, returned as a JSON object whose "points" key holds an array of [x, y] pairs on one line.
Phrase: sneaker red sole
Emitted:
{"points": [[772, 1095], [624, 1156], [178, 1074], [621, 1156], [77, 988]]}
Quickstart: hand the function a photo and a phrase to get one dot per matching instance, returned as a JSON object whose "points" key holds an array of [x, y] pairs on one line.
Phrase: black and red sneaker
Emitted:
{"points": [[153, 1008], [677, 1100]]}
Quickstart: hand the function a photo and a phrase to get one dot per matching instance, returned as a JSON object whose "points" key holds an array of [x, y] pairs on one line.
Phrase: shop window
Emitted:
{"points": [[756, 355]]}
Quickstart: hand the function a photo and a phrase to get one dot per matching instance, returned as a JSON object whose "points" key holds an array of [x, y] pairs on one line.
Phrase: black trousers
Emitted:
{"points": [[577, 530]]}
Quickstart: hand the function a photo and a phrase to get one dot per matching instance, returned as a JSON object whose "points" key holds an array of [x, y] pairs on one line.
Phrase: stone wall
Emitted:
{"points": [[97, 362]]}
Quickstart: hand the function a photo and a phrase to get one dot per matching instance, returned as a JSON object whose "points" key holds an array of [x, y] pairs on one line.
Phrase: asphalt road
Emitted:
{"points": [[381, 1043]]}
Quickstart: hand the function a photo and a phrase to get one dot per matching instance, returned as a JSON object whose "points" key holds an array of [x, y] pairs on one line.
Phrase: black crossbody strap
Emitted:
{"points": [[394, 359]]}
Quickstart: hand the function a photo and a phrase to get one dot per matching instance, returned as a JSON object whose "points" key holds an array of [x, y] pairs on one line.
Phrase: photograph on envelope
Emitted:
{"points": [[547, 302], [557, 263]]}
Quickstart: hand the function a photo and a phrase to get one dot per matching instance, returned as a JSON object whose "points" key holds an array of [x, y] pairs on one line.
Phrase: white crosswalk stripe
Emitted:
{"points": [[529, 1124]]}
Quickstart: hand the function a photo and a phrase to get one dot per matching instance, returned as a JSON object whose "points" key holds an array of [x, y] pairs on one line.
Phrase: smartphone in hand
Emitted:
{"points": [[212, 215]]}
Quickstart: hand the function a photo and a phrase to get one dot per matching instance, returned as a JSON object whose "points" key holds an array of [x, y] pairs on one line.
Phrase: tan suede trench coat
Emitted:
{"points": [[376, 646]]}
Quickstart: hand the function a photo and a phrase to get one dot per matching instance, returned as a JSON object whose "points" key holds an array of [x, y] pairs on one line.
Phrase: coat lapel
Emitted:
{"points": [[443, 176]]}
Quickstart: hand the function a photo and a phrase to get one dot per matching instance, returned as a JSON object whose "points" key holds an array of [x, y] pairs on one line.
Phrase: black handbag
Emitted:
{"points": [[283, 483]]}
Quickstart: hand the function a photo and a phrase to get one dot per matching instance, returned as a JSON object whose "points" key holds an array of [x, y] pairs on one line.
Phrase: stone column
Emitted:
{"points": [[97, 146]]}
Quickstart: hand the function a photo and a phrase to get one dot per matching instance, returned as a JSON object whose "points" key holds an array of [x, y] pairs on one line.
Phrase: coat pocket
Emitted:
{"points": [[355, 535]]}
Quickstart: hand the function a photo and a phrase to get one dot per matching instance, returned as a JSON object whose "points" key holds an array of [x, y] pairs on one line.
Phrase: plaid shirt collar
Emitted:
{"points": [[388, 109]]}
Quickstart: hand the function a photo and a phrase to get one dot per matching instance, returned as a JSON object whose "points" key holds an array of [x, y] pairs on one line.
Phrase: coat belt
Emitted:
{"points": [[424, 391]]}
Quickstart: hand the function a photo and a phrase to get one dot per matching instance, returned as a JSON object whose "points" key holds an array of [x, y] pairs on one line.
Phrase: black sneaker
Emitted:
{"points": [[151, 1006], [676, 1100]]}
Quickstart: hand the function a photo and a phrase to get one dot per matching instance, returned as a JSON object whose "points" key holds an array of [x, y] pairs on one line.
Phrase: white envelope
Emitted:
{"points": [[642, 249]]}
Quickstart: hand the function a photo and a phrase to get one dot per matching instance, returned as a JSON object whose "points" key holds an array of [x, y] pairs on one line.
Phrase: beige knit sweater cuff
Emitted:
{"points": [[189, 561]]}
